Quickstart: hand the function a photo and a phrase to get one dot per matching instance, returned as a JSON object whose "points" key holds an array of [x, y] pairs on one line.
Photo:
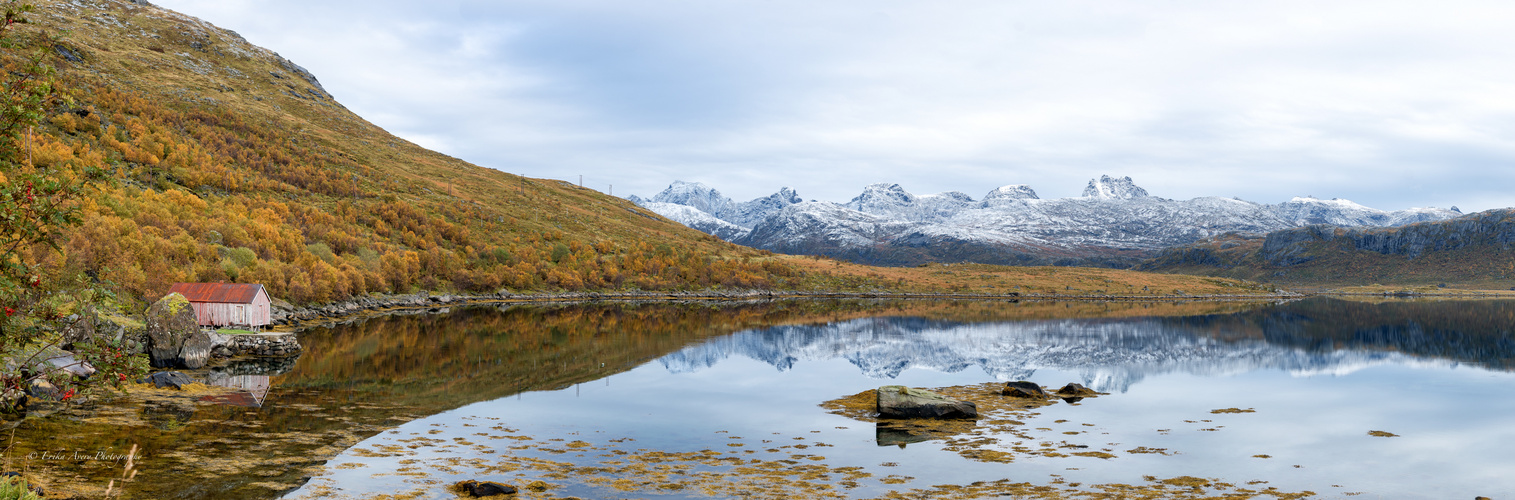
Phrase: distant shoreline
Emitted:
{"points": [[301, 318], [293, 319]]}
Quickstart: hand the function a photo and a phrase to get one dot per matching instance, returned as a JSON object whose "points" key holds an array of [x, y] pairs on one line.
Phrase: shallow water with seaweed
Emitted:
{"points": [[1319, 398]]}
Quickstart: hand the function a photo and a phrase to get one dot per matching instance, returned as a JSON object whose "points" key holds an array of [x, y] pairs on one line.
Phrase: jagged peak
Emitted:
{"points": [[1012, 192], [787, 194], [1333, 201], [951, 195], [1106, 187], [681, 189], [697, 195], [884, 187], [874, 193], [686, 186]]}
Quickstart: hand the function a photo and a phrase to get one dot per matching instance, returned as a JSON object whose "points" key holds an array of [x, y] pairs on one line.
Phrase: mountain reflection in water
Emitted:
{"points": [[1315, 336], [1217, 401]]}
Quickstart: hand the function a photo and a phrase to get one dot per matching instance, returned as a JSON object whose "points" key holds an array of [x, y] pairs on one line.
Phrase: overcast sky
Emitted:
{"points": [[1390, 104]]}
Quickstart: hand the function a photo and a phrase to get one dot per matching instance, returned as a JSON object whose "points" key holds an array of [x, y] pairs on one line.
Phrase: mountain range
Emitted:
{"points": [[1115, 222]]}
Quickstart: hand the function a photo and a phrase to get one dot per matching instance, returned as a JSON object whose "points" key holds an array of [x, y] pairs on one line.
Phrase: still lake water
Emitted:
{"points": [[742, 407], [689, 400]]}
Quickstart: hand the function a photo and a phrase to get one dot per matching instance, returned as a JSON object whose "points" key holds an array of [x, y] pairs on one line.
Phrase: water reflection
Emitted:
{"points": [[753, 396], [359, 379], [252, 390], [252, 379], [1317, 336]]}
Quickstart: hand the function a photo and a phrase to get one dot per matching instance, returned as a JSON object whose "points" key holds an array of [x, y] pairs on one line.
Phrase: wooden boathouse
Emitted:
{"points": [[227, 304]]}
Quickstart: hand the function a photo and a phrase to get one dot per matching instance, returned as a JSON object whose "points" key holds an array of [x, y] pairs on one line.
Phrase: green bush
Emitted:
{"points": [[15, 488]]}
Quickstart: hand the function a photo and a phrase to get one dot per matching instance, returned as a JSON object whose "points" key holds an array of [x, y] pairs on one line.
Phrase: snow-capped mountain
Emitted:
{"points": [[706, 199], [892, 201], [1114, 222], [695, 218], [1109, 188]]}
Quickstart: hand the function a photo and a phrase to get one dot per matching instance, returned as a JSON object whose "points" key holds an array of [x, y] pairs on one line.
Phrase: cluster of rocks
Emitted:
{"points": [[1072, 393], [171, 337], [286, 314], [897, 401]]}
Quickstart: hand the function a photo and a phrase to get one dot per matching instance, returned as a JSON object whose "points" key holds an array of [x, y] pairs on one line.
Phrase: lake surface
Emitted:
{"points": [[1317, 376], [698, 400]]}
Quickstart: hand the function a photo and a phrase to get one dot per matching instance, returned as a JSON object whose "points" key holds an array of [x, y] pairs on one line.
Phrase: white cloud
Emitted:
{"points": [[1391, 104]]}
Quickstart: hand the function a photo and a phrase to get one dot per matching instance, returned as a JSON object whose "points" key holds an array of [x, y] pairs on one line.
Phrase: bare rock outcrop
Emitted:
{"points": [[898, 401], [174, 337]]}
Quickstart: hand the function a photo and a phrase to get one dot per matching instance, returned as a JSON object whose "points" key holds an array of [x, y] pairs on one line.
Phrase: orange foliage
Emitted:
{"points": [[203, 194]]}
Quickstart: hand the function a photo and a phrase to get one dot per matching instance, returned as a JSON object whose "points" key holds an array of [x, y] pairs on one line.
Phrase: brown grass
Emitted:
{"points": [[1027, 281]]}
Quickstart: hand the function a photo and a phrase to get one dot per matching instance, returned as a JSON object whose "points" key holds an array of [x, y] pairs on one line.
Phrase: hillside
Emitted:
{"points": [[1471, 251], [225, 161], [229, 162]]}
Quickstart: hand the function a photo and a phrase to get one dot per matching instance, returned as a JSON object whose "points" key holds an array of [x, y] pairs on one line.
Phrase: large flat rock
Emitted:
{"points": [[897, 401]]}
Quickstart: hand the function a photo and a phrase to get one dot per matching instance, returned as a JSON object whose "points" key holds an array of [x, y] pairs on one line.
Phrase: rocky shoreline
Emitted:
{"points": [[287, 317]]}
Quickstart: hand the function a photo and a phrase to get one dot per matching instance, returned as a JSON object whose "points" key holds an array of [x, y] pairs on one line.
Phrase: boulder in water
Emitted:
{"points": [[484, 488], [175, 380], [1073, 390], [897, 401], [1024, 389]]}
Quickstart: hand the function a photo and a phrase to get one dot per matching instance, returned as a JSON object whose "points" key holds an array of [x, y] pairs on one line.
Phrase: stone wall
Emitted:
{"points": [[256, 344]]}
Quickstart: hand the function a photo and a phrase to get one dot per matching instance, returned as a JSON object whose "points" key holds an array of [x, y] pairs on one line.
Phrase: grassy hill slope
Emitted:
{"points": [[231, 163], [228, 162], [1473, 251]]}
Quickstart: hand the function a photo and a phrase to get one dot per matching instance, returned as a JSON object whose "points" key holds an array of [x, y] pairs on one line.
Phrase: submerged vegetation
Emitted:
{"points": [[357, 379], [776, 465]]}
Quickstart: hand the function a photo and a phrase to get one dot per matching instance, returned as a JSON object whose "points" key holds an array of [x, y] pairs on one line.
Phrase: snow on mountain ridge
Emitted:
{"points": [[1007, 195], [698, 195], [892, 201], [738, 218], [697, 219], [1115, 217], [1109, 187]]}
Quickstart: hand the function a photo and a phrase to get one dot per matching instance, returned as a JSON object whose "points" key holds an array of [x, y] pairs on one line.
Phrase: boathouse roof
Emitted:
{"points": [[227, 293]]}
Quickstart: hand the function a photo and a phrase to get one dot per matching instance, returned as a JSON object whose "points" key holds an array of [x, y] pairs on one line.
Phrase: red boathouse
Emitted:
{"points": [[227, 304]]}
